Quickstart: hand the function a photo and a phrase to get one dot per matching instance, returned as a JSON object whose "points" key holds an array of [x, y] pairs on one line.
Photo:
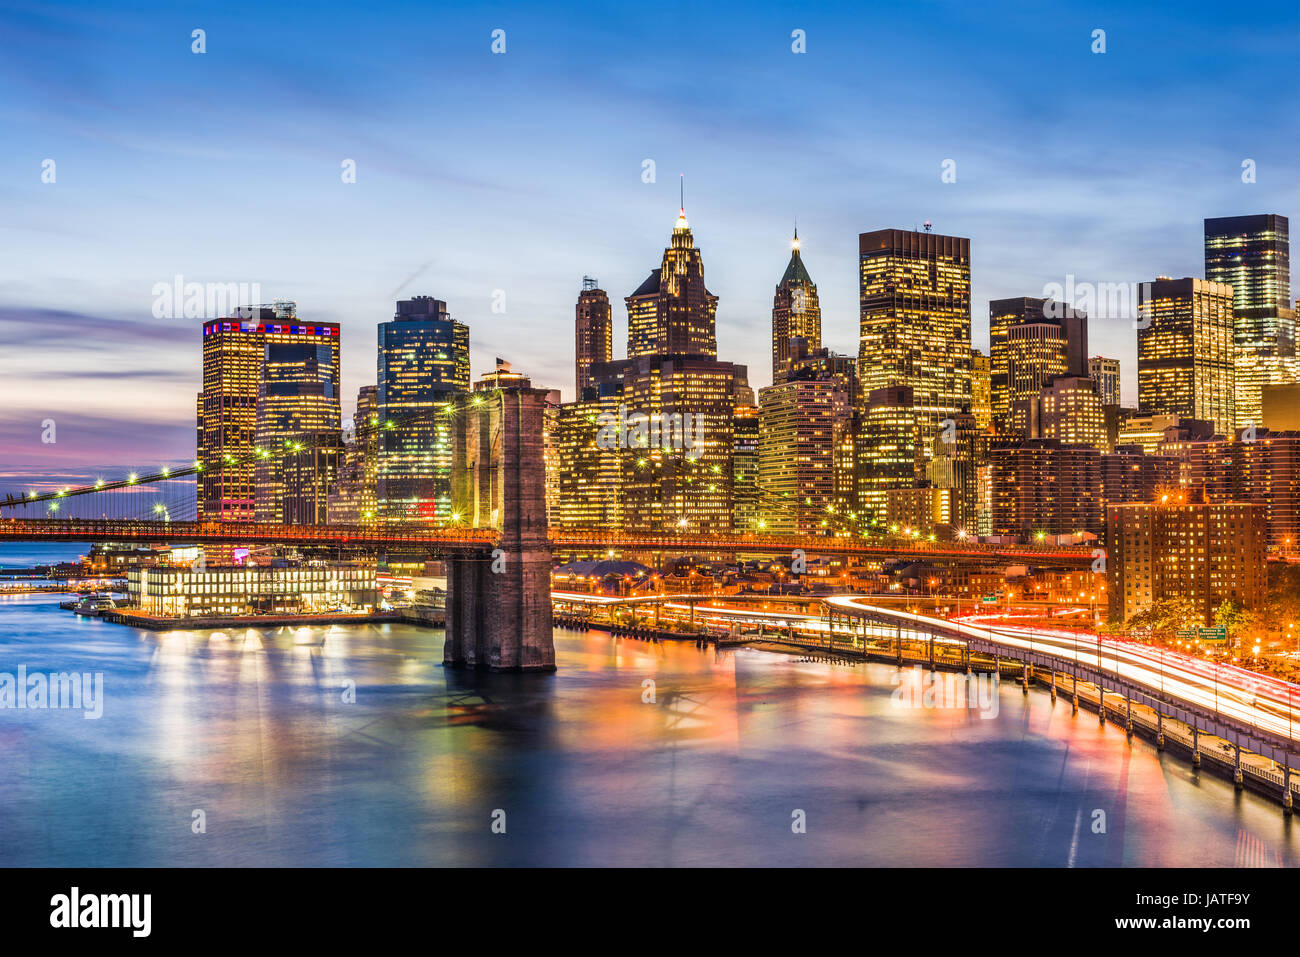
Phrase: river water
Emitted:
{"points": [[353, 746]]}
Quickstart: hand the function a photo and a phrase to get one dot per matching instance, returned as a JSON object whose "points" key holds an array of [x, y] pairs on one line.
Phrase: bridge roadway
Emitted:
{"points": [[1257, 712], [460, 539]]}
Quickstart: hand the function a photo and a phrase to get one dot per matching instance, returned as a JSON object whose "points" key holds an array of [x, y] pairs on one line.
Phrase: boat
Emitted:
{"points": [[92, 605]]}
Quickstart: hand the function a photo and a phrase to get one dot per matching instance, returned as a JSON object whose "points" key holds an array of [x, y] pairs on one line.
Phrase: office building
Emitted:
{"points": [[1252, 254], [1185, 350], [593, 332], [914, 322], [672, 313], [1105, 373], [423, 363], [796, 310], [981, 384], [1059, 351]]}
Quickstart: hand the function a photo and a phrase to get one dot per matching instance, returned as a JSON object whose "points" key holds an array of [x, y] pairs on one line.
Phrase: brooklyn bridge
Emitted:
{"points": [[498, 547]]}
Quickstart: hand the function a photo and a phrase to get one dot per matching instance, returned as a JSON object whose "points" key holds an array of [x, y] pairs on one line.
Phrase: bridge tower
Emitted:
{"points": [[499, 603]]}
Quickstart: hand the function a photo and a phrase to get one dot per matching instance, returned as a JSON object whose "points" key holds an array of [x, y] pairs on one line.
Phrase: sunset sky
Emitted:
{"points": [[522, 172]]}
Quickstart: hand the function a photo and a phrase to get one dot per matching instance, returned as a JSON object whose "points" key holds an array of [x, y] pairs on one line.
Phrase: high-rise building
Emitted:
{"points": [[232, 369], [746, 498], [589, 477], [354, 499], [888, 451], [796, 310], [802, 418], [676, 462], [423, 362], [1105, 373], [1069, 409], [958, 452], [1185, 350], [1044, 486], [297, 435], [914, 322], [1037, 356], [594, 332], [1281, 406], [672, 313], [1181, 547], [981, 386], [1068, 350], [1252, 254], [1263, 469]]}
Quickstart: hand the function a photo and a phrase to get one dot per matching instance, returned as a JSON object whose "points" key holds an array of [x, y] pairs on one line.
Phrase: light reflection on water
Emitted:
{"points": [[254, 728]]}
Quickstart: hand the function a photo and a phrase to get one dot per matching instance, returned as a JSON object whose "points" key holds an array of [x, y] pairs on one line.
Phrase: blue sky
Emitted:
{"points": [[522, 171]]}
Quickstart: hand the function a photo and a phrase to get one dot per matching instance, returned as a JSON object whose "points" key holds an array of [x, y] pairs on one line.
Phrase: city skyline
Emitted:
{"points": [[460, 231]]}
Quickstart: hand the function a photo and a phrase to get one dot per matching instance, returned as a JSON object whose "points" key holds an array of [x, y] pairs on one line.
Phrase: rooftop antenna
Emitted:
{"points": [[681, 190], [928, 225], [589, 282]]}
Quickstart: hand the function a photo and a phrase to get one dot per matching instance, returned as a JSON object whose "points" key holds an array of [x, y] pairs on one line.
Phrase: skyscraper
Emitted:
{"points": [[1105, 373], [1185, 350], [1068, 354], [299, 420], [423, 362], [1253, 255], [802, 417], [981, 384], [914, 323], [593, 332], [796, 310], [268, 378], [672, 313]]}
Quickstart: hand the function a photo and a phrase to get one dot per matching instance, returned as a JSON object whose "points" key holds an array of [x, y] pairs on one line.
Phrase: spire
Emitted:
{"points": [[796, 271], [681, 213]]}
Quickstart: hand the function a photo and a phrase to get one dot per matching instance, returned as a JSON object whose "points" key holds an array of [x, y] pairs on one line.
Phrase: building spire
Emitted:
{"points": [[682, 224]]}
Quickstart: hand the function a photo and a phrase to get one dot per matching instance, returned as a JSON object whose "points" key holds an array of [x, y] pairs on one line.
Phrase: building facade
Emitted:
{"points": [[796, 310], [423, 362], [593, 332], [1182, 547], [1186, 359]]}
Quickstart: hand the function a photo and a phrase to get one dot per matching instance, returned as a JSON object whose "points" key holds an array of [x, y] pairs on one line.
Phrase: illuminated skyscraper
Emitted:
{"points": [[594, 332], [1052, 352], [423, 362], [299, 419], [1105, 373], [1036, 355], [1252, 254], [914, 324], [1185, 350], [746, 501], [1070, 409], [354, 500], [888, 452], [981, 385], [267, 376], [232, 369], [801, 419], [796, 310], [672, 313]]}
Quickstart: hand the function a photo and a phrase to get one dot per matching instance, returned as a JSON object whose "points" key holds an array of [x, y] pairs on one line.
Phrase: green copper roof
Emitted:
{"points": [[795, 272]]}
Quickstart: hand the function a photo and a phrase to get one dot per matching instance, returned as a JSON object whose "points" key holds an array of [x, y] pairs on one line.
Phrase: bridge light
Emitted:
{"points": [[54, 506], [131, 478], [99, 483], [31, 494]]}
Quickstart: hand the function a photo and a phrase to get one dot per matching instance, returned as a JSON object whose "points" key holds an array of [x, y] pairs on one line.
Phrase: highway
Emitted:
{"points": [[1236, 694]]}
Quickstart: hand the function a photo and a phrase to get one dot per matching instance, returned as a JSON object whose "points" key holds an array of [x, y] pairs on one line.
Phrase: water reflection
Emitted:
{"points": [[352, 746]]}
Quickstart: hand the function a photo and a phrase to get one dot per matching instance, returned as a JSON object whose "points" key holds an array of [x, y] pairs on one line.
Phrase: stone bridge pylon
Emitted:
{"points": [[499, 602]]}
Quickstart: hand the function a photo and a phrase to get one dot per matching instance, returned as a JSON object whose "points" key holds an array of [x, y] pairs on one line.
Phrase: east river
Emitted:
{"points": [[353, 746]]}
